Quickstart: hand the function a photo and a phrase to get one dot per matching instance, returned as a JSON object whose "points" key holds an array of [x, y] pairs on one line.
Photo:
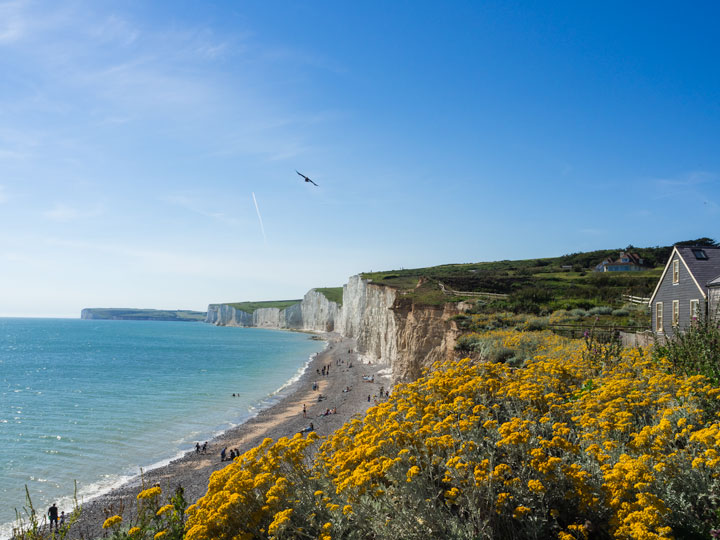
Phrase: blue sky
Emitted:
{"points": [[134, 134]]}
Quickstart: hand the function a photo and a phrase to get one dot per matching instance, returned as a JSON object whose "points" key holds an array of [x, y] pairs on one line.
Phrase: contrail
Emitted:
{"points": [[262, 227]]}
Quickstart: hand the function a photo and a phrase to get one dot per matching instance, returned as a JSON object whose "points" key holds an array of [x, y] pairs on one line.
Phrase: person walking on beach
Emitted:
{"points": [[304, 411], [53, 516], [62, 518], [197, 447], [204, 448], [222, 454]]}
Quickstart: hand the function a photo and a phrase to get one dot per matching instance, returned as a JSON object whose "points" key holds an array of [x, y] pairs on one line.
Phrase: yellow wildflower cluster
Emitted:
{"points": [[253, 497], [564, 446], [111, 522]]}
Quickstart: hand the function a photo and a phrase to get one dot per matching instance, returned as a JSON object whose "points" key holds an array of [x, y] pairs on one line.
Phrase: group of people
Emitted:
{"points": [[201, 449], [56, 520], [224, 456], [324, 372]]}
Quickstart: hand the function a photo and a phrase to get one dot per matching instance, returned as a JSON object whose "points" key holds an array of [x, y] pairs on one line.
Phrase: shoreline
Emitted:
{"points": [[282, 418]]}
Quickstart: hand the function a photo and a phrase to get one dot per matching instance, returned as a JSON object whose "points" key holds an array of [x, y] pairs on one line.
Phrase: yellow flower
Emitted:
{"points": [[536, 486], [133, 531], [159, 535], [164, 509], [112, 521], [279, 519], [412, 471], [149, 493], [521, 511]]}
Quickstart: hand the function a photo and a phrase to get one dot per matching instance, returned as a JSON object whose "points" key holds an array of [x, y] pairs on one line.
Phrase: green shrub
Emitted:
{"points": [[601, 310], [622, 312], [537, 323], [694, 351], [500, 354]]}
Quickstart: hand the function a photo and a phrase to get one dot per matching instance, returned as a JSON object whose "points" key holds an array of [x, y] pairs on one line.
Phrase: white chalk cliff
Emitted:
{"points": [[389, 330]]}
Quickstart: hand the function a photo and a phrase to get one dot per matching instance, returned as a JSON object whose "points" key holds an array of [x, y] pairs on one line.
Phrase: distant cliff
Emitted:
{"points": [[313, 313], [131, 314], [389, 330]]}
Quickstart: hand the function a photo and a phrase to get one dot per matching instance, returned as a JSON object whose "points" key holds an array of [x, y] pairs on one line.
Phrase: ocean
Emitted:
{"points": [[93, 402]]}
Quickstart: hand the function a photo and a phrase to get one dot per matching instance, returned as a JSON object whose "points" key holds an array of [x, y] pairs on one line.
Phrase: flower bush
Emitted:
{"points": [[576, 444]]}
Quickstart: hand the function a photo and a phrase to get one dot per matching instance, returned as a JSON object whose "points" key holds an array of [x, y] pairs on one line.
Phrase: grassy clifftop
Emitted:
{"points": [[532, 285], [334, 294], [249, 307]]}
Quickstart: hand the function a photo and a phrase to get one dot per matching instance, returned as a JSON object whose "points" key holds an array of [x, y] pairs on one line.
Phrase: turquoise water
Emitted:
{"points": [[94, 401]]}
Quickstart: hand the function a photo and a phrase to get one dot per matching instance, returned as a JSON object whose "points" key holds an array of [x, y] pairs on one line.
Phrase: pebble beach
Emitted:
{"points": [[284, 419]]}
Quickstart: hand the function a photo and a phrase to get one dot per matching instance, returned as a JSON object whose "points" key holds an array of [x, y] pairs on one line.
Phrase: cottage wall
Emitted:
{"points": [[683, 291], [714, 303]]}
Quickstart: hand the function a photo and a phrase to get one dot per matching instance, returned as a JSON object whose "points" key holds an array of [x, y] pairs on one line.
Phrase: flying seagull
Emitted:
{"points": [[306, 178]]}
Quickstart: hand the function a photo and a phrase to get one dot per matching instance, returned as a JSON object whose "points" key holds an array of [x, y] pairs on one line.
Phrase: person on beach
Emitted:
{"points": [[204, 448], [53, 516], [308, 429], [304, 411], [62, 518], [197, 447], [223, 453]]}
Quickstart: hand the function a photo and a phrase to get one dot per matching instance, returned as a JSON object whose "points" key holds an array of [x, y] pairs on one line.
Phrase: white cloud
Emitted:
{"points": [[12, 22]]}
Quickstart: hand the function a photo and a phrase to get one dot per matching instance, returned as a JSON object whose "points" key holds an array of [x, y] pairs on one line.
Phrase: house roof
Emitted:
{"points": [[703, 268], [715, 282]]}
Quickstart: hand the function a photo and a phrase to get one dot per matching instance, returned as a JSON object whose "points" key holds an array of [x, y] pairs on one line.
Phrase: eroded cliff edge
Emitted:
{"points": [[389, 329]]}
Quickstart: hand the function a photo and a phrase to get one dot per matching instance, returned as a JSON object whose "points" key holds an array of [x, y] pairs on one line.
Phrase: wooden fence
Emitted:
{"points": [[635, 299], [602, 333], [474, 294]]}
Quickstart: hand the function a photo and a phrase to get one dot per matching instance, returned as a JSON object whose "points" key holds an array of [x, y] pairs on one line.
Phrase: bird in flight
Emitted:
{"points": [[306, 178]]}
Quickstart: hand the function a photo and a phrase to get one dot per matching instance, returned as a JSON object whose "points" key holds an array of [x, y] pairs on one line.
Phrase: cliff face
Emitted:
{"points": [[318, 313], [314, 313], [424, 336], [395, 332], [224, 315], [388, 330]]}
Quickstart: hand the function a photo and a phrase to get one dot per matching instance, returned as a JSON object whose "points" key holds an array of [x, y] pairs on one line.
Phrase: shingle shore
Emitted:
{"points": [[285, 418]]}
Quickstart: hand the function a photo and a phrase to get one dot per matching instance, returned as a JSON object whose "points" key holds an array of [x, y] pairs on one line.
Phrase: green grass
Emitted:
{"points": [[532, 285], [249, 307], [334, 294]]}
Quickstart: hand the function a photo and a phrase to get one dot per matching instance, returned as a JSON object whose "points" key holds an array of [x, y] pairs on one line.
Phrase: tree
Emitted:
{"points": [[704, 241]]}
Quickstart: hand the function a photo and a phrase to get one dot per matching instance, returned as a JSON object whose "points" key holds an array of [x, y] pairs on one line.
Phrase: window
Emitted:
{"points": [[676, 312], [659, 317], [676, 271], [700, 254], [694, 310]]}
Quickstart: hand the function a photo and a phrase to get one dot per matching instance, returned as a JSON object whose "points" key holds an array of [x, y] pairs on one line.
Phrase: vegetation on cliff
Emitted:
{"points": [[538, 286], [333, 294], [249, 307]]}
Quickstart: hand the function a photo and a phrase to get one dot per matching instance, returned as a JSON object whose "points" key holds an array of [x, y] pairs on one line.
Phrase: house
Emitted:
{"points": [[626, 262], [688, 288]]}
